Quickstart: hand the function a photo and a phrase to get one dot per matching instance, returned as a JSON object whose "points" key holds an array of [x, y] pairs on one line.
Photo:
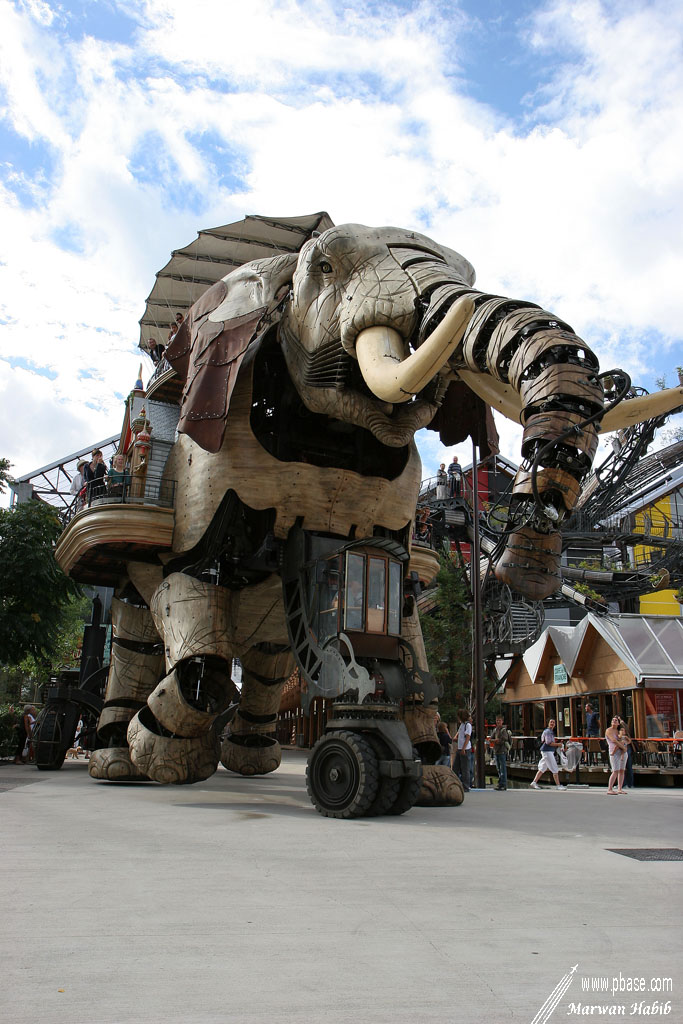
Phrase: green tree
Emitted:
{"points": [[22, 682], [447, 633], [33, 589], [5, 478]]}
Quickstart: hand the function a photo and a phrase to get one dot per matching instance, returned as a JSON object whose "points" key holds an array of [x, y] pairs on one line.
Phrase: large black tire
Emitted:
{"points": [[342, 776], [50, 743], [389, 789], [407, 796]]}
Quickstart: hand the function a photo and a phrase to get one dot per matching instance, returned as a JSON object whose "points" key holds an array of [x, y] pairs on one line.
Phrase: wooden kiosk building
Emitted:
{"points": [[630, 665]]}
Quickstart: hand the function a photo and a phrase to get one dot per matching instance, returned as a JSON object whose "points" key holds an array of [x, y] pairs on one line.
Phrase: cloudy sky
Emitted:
{"points": [[541, 140]]}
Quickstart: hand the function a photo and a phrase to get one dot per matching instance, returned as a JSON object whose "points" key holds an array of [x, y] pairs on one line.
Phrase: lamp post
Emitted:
{"points": [[478, 659]]}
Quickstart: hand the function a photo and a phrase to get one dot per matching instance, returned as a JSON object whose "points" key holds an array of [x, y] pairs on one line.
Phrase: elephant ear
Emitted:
{"points": [[463, 414], [209, 347]]}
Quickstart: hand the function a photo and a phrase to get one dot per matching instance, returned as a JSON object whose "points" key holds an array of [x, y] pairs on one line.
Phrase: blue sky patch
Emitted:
{"points": [[231, 164], [101, 19], [20, 362], [498, 68], [69, 238], [26, 167]]}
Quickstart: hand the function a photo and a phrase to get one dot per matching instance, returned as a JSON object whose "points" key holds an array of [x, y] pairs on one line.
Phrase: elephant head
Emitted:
{"points": [[357, 311], [352, 308], [381, 329]]}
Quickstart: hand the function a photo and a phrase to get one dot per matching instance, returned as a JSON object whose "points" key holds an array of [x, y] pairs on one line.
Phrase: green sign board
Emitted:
{"points": [[560, 675]]}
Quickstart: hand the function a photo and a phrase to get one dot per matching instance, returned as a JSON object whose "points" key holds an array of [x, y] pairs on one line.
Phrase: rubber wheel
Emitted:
{"points": [[48, 744], [389, 789], [408, 794], [342, 776]]}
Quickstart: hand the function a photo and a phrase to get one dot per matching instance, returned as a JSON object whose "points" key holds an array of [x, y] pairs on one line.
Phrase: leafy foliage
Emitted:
{"points": [[9, 717], [448, 637], [5, 466], [33, 588]]}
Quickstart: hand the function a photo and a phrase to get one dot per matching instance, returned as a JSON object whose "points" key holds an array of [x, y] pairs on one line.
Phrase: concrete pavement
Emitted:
{"points": [[233, 900]]}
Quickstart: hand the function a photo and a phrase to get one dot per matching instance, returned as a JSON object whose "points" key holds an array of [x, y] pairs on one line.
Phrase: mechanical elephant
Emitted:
{"points": [[306, 377]]}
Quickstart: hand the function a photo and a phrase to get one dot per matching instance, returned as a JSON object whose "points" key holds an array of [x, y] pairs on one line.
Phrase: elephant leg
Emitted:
{"points": [[137, 661], [251, 747], [172, 739], [556, 375], [439, 785]]}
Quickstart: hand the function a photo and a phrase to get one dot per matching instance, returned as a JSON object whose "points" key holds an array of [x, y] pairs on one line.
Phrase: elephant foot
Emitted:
{"points": [[169, 701], [530, 563], [440, 787], [420, 721], [113, 764], [171, 759], [252, 754]]}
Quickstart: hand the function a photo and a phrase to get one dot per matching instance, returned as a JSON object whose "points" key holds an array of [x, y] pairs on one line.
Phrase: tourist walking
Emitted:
{"points": [[617, 757], [463, 746], [625, 737], [446, 741], [24, 731], [548, 763], [502, 741]]}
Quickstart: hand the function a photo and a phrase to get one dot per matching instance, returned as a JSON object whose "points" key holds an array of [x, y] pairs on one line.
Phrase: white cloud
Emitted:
{"points": [[576, 204]]}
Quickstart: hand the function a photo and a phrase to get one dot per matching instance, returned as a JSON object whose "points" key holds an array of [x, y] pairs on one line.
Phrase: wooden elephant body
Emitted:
{"points": [[306, 376]]}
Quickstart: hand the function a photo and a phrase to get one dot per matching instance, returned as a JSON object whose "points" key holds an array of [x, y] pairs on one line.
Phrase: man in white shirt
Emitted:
{"points": [[78, 482], [461, 760]]}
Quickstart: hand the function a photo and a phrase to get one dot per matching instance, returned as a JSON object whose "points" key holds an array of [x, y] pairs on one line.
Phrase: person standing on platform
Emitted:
{"points": [[442, 482], [463, 745], [548, 762], [455, 477], [94, 473], [502, 741]]}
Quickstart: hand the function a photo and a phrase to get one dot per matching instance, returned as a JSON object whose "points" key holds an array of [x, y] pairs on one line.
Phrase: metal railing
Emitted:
{"points": [[129, 491], [162, 367], [458, 486]]}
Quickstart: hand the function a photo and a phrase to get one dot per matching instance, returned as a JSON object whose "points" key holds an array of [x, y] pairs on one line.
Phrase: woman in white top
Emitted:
{"points": [[617, 757], [442, 482]]}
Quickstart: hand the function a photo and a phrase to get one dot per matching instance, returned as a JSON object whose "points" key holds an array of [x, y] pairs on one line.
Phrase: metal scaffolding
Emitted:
{"points": [[52, 483]]}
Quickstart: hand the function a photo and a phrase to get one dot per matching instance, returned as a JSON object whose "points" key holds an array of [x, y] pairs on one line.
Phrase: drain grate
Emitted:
{"points": [[653, 854]]}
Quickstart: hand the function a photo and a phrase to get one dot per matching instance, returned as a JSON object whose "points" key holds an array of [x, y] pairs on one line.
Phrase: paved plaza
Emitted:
{"points": [[233, 900]]}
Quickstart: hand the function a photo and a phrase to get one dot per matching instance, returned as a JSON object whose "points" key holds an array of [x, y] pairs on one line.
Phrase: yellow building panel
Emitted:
{"points": [[662, 602]]}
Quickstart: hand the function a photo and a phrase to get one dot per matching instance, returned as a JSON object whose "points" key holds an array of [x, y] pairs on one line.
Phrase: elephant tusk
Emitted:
{"points": [[395, 377], [501, 397], [637, 410], [505, 399]]}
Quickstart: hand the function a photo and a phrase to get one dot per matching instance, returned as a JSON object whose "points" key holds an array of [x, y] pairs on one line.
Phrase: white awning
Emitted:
{"points": [[214, 253]]}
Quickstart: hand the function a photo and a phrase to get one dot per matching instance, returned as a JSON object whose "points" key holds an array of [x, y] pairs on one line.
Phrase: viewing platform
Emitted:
{"points": [[130, 521]]}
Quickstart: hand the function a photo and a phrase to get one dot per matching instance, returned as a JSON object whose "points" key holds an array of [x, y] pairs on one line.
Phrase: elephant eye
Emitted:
{"points": [[325, 267]]}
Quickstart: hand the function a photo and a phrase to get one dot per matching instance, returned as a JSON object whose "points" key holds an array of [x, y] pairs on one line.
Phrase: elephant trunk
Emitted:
{"points": [[393, 375]]}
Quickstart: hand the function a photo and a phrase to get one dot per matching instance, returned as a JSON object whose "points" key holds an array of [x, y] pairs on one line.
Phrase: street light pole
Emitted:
{"points": [[478, 659]]}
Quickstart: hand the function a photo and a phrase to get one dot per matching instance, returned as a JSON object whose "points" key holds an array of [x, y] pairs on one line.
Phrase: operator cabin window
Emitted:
{"points": [[377, 587], [372, 598], [354, 603]]}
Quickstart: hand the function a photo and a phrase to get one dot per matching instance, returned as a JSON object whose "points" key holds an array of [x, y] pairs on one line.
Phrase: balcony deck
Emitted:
{"points": [[133, 524]]}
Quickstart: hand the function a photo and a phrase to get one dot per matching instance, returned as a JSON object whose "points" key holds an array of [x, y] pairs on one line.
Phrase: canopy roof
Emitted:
{"points": [[214, 253], [651, 646]]}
